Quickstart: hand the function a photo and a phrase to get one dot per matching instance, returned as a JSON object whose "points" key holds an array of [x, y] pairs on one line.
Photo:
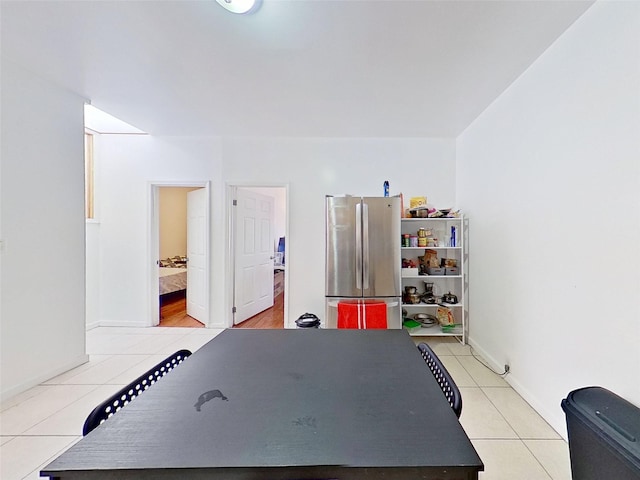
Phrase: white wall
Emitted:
{"points": [[42, 328], [311, 167], [126, 165], [549, 175], [92, 282], [316, 167], [173, 221]]}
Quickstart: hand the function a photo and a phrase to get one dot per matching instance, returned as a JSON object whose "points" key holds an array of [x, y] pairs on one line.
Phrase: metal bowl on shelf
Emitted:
{"points": [[431, 299], [425, 319]]}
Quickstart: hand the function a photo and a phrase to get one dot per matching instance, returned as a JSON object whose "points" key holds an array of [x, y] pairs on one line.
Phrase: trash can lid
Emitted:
{"points": [[611, 414]]}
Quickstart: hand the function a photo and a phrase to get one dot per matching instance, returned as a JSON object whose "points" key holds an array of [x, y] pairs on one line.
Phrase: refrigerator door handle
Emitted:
{"points": [[359, 245], [365, 246]]}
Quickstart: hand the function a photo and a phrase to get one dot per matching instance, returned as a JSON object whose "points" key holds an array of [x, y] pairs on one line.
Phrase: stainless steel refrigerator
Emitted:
{"points": [[363, 254]]}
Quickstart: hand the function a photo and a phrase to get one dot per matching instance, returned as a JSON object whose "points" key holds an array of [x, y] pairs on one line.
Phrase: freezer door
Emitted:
{"points": [[394, 311], [381, 263], [343, 276]]}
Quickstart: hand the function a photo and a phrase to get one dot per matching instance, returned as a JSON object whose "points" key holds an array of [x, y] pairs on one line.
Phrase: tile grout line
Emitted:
{"points": [[537, 459], [527, 403], [53, 385], [22, 434], [520, 439], [185, 336], [54, 456]]}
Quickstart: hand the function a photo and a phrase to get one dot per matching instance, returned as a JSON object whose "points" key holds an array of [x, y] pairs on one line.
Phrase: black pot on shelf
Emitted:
{"points": [[449, 298], [412, 298]]}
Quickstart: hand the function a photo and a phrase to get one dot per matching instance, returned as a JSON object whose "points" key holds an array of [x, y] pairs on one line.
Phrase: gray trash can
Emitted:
{"points": [[308, 320], [604, 435]]}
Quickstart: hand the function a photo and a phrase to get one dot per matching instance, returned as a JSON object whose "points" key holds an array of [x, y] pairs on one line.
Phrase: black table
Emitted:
{"points": [[284, 404]]}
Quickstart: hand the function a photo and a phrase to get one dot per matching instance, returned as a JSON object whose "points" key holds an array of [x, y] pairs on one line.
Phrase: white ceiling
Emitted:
{"points": [[329, 68]]}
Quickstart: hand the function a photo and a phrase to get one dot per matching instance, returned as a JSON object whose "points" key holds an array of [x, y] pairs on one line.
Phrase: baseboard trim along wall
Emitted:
{"points": [[120, 323], [43, 377], [555, 420]]}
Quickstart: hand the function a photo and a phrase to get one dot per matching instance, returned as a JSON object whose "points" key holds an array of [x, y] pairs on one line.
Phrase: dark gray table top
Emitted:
{"points": [[284, 404]]}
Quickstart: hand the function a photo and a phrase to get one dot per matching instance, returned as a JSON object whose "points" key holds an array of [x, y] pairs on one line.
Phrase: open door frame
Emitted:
{"points": [[231, 254], [154, 246]]}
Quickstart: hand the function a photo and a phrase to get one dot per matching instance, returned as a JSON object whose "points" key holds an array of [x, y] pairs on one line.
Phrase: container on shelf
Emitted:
{"points": [[409, 272], [435, 271], [411, 325]]}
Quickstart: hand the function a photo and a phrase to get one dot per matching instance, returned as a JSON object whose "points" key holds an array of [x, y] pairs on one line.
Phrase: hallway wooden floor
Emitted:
{"points": [[271, 318], [173, 313]]}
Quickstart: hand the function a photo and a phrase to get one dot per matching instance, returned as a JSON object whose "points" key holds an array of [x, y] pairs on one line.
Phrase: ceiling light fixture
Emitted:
{"points": [[239, 6]]}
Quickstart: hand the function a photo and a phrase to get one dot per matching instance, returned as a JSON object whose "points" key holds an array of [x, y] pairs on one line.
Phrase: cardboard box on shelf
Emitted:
{"points": [[416, 202]]}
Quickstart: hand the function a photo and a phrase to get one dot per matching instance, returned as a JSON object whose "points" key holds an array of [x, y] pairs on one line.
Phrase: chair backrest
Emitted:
{"points": [[444, 379], [123, 396]]}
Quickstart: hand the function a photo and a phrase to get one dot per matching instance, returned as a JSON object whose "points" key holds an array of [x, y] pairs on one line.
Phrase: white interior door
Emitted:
{"points": [[254, 221], [196, 253]]}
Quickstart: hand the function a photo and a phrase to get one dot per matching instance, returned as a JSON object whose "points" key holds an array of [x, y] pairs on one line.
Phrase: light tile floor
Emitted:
{"points": [[514, 442]]}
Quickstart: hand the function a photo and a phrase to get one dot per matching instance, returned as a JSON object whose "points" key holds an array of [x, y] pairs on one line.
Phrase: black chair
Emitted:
{"points": [[123, 396], [444, 379]]}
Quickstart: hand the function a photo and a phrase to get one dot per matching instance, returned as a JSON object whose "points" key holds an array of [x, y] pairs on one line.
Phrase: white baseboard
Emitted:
{"points": [[92, 325], [493, 363], [43, 377], [122, 323], [216, 325], [556, 420]]}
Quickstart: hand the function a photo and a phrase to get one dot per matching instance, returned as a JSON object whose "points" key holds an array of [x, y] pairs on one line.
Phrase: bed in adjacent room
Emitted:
{"points": [[173, 275]]}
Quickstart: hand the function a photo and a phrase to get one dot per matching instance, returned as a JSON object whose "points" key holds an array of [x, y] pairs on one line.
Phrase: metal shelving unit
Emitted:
{"points": [[439, 228]]}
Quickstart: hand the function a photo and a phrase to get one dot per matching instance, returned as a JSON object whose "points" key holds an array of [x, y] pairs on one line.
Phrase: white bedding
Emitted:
{"points": [[172, 279]]}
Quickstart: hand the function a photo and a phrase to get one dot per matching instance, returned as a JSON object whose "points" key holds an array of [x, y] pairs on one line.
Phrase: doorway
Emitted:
{"points": [[259, 266], [179, 246]]}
